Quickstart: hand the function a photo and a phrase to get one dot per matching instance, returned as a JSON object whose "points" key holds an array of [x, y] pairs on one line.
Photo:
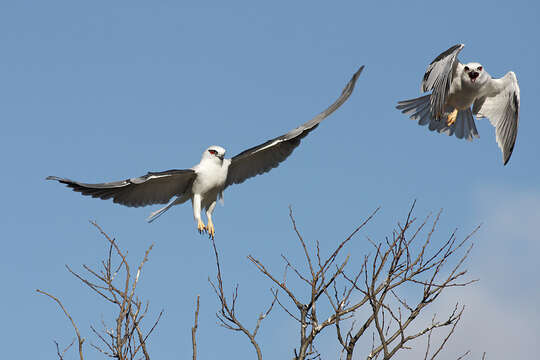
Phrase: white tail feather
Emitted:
{"points": [[153, 216], [419, 109], [179, 200]]}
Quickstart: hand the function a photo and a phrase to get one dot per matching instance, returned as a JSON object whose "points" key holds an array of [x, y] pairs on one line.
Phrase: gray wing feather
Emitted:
{"points": [[465, 121], [438, 78], [152, 188], [264, 157], [502, 110]]}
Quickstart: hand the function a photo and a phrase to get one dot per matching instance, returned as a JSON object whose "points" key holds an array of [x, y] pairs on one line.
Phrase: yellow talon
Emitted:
{"points": [[451, 117], [211, 230], [201, 227]]}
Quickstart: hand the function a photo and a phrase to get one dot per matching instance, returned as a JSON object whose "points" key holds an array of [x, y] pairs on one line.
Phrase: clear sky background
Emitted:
{"points": [[106, 90]]}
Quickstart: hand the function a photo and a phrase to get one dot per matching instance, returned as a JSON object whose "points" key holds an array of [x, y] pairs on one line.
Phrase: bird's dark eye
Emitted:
{"points": [[466, 68], [479, 68], [212, 151]]}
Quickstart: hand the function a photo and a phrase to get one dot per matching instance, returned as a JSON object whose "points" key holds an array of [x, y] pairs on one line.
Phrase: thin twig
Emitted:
{"points": [[79, 338]]}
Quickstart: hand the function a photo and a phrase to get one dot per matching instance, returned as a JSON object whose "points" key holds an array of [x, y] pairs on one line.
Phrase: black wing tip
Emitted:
{"points": [[453, 48], [357, 73], [349, 88], [507, 154], [506, 157], [56, 178], [68, 182], [447, 52]]}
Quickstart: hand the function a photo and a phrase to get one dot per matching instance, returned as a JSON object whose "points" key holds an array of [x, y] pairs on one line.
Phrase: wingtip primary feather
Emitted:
{"points": [[350, 86], [358, 72], [59, 179], [506, 157]]}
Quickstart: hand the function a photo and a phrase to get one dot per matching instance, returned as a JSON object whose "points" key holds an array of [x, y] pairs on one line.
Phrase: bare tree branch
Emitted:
{"points": [[227, 315], [79, 338], [399, 261], [117, 285], [194, 330], [378, 295]]}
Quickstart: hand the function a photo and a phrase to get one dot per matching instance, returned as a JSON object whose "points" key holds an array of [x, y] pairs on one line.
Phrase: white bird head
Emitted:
{"points": [[474, 74], [214, 153]]}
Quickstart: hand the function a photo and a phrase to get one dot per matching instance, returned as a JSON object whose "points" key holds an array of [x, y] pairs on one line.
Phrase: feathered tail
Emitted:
{"points": [[420, 109], [179, 200]]}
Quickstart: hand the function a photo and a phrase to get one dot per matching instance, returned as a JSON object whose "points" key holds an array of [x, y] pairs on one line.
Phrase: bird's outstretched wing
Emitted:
{"points": [[264, 157], [438, 78], [502, 110], [152, 188]]}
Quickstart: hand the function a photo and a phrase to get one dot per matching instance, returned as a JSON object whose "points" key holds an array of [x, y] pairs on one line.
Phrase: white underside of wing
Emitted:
{"points": [[439, 77], [501, 107]]}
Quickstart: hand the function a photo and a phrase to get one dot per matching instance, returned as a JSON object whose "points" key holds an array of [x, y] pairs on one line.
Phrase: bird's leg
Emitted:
{"points": [[211, 229], [197, 212], [452, 117], [209, 211], [200, 226]]}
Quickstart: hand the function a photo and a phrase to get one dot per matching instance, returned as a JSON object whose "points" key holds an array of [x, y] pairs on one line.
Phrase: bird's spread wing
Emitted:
{"points": [[502, 109], [438, 78], [152, 188], [264, 157]]}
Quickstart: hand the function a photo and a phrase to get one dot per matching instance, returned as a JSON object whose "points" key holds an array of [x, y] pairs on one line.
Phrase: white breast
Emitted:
{"points": [[461, 96], [211, 176]]}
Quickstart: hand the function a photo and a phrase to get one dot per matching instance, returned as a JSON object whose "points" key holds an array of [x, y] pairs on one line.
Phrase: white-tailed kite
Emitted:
{"points": [[204, 183], [456, 87]]}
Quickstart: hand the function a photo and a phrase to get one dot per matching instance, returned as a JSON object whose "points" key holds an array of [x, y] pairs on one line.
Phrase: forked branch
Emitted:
{"points": [[116, 283]]}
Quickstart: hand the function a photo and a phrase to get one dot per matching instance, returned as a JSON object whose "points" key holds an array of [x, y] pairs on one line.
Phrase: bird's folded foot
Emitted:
{"points": [[211, 230], [201, 227], [452, 117]]}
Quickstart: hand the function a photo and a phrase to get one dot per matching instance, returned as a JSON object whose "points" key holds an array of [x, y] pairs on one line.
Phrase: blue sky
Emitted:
{"points": [[101, 91]]}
